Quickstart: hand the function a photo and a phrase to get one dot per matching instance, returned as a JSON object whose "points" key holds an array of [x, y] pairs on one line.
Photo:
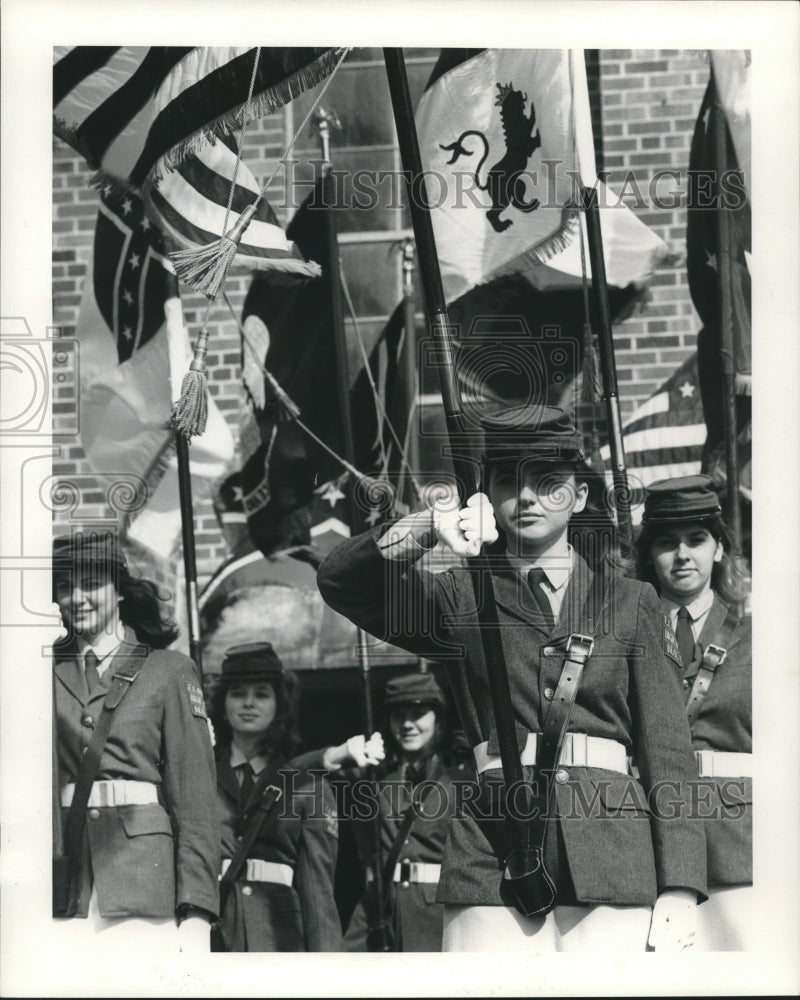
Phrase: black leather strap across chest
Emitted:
{"points": [[714, 656]]}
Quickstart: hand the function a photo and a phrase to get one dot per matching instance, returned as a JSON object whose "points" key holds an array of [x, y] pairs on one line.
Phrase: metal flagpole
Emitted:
{"points": [[519, 866], [733, 512], [189, 559], [378, 935]]}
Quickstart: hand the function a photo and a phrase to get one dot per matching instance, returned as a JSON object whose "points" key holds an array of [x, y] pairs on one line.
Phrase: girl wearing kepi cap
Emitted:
{"points": [[626, 859], [684, 549], [417, 798], [135, 768], [279, 823]]}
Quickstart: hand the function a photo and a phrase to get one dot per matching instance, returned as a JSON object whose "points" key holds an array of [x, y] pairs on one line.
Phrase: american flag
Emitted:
{"points": [[665, 436], [134, 112]]}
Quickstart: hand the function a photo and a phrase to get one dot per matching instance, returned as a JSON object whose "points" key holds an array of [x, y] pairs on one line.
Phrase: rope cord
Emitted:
{"points": [[299, 129], [281, 392], [381, 409]]}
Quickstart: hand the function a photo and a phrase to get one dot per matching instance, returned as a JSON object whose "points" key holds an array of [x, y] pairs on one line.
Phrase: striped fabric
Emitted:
{"points": [[189, 204], [135, 112], [665, 436]]}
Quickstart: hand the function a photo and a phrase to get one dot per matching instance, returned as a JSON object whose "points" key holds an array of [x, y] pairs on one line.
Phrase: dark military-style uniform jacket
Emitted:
{"points": [[724, 722], [416, 919], [301, 832], [617, 841], [144, 860]]}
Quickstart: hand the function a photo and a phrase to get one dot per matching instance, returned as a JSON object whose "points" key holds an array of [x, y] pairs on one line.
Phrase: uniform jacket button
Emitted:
{"points": [[247, 890], [561, 776], [405, 885], [87, 720], [548, 693], [94, 814], [548, 650], [686, 684]]}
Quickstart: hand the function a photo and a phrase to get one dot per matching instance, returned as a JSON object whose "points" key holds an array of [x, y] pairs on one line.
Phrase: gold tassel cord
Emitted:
{"points": [[190, 412], [206, 268]]}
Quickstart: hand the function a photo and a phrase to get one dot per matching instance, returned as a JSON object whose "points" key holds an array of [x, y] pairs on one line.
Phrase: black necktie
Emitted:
{"points": [[535, 580], [90, 662], [685, 636], [247, 781]]}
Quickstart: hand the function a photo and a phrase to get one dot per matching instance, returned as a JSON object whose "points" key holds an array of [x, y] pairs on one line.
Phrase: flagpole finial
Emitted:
{"points": [[325, 120]]}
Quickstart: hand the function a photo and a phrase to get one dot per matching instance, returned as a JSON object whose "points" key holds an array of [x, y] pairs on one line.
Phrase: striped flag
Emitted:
{"points": [[664, 437], [190, 205], [136, 112]]}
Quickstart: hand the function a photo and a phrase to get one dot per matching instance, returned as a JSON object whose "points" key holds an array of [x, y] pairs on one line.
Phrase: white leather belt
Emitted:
{"points": [[413, 871], [578, 750], [721, 764], [256, 870], [116, 792]]}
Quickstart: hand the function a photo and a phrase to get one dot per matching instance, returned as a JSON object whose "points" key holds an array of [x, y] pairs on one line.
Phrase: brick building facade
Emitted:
{"points": [[645, 105]]}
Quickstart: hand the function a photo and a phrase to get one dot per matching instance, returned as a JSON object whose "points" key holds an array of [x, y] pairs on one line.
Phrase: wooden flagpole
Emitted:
{"points": [[733, 512], [466, 474], [189, 556], [378, 931], [608, 368]]}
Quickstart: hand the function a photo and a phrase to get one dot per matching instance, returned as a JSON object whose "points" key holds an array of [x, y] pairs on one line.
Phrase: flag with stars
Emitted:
{"points": [[664, 437], [133, 351], [727, 94], [290, 492]]}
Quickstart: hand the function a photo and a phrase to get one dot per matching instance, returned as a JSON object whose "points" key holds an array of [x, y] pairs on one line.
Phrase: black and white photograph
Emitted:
{"points": [[397, 558]]}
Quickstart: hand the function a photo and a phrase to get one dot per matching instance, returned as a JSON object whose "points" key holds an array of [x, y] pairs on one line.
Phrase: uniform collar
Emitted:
{"points": [[696, 608], [257, 763], [104, 645], [557, 567]]}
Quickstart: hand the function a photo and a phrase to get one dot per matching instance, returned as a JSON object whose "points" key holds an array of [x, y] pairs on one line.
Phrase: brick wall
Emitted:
{"points": [[645, 104]]}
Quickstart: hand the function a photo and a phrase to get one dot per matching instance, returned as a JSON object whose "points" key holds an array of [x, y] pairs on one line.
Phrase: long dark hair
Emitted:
{"points": [[141, 605], [727, 578], [281, 736]]}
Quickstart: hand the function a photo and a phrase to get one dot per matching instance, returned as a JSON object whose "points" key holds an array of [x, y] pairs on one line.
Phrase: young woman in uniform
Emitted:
{"points": [[417, 798], [627, 865], [684, 549], [142, 856], [282, 899]]}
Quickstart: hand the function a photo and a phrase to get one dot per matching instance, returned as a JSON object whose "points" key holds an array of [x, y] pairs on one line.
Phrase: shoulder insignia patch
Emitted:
{"points": [[196, 701], [671, 643]]}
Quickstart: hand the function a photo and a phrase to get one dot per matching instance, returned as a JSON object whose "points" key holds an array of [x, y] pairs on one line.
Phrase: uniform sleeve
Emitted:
{"points": [[663, 752], [190, 788], [392, 599], [316, 866]]}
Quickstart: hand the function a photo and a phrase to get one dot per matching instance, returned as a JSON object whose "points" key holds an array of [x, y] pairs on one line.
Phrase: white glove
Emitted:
{"points": [[674, 921], [465, 531], [366, 752], [194, 935]]}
